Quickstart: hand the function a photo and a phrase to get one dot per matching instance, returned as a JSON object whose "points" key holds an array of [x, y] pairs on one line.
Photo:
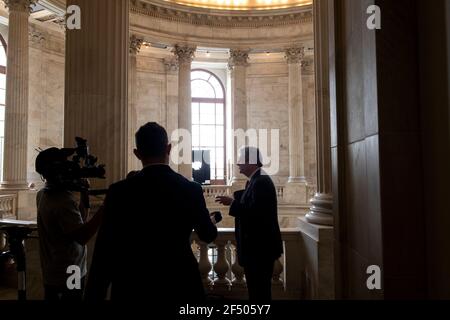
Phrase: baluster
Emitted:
{"points": [[204, 265], [3, 242], [222, 266], [238, 271], [277, 282]]}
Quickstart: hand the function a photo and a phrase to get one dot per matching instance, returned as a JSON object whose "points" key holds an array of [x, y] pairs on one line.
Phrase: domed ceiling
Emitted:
{"points": [[243, 4]]}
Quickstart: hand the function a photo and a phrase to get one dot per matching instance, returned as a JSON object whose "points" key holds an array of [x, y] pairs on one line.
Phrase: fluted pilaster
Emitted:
{"points": [[321, 211], [238, 64], [294, 57], [185, 55], [135, 47], [96, 101], [17, 78]]}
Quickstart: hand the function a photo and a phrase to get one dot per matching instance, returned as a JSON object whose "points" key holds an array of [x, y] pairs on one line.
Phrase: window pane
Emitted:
{"points": [[2, 81], [219, 114], [207, 136], [2, 56], [217, 87], [220, 160], [195, 136], [219, 136], [207, 156], [200, 75], [195, 113], [202, 89], [2, 96], [207, 113]]}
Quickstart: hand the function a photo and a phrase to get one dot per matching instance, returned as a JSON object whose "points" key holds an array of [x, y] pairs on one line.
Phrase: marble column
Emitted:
{"points": [[135, 47], [171, 67], [185, 55], [238, 64], [96, 89], [17, 78], [321, 211], [294, 57]]}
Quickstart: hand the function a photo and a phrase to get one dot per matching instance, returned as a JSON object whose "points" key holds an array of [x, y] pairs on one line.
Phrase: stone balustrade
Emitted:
{"points": [[8, 206], [211, 192], [223, 277]]}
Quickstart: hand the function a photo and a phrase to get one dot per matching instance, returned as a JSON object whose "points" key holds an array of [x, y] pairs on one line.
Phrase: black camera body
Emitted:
{"points": [[70, 174]]}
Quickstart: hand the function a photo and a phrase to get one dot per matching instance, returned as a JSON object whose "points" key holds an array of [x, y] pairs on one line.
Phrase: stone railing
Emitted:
{"points": [[280, 192], [8, 206], [223, 277], [211, 192]]}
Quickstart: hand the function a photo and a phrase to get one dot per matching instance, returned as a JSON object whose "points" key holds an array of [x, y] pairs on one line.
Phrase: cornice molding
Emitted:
{"points": [[231, 20]]}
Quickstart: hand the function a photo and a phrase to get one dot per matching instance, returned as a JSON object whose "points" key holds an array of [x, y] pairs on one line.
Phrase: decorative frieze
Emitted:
{"points": [[236, 20]]}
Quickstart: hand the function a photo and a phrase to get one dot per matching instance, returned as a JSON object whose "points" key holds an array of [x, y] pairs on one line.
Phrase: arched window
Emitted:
{"points": [[2, 99], [208, 122]]}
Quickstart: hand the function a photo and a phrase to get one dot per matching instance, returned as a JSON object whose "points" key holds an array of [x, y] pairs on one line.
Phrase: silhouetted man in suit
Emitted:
{"points": [[258, 233], [143, 248]]}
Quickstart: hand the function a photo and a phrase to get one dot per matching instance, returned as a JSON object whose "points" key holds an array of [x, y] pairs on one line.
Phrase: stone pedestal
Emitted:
{"points": [[296, 193], [318, 246]]}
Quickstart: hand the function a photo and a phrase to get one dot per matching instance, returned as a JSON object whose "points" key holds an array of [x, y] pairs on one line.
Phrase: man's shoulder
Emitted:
{"points": [[264, 179]]}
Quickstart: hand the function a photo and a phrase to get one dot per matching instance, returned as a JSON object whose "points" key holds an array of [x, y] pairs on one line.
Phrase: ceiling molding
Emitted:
{"points": [[224, 19]]}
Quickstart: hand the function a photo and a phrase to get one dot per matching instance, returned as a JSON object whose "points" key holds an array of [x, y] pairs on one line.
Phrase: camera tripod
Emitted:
{"points": [[16, 236]]}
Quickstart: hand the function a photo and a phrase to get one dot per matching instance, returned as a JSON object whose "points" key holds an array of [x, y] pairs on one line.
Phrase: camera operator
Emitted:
{"points": [[63, 227]]}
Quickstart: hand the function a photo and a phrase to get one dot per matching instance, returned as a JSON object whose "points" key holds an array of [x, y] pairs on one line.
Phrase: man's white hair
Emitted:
{"points": [[250, 155]]}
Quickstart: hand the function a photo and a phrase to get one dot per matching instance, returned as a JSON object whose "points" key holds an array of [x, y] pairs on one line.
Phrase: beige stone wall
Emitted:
{"points": [[155, 97], [46, 99], [267, 85]]}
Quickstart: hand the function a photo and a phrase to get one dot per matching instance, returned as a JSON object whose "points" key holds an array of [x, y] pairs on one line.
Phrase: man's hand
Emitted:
{"points": [[226, 201]]}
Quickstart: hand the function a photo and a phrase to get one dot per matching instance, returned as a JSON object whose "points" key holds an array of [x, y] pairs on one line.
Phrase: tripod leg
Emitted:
{"points": [[17, 247]]}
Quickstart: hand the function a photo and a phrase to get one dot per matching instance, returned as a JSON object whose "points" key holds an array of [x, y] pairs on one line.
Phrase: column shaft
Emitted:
{"points": [[96, 102], [17, 77], [238, 65], [322, 204], [185, 55], [135, 47], [294, 57]]}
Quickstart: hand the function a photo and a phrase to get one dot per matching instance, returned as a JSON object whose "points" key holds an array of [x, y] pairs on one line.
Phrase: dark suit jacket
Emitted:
{"points": [[143, 246], [255, 210]]}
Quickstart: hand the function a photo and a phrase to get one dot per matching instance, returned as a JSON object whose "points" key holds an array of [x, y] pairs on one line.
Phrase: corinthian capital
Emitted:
{"points": [[238, 58], [184, 54], [295, 55], [19, 5], [135, 44]]}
